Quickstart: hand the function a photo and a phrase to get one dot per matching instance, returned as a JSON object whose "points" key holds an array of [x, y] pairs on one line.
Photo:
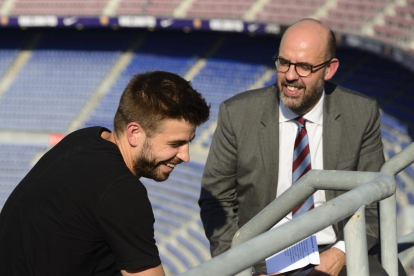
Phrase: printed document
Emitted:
{"points": [[302, 254]]}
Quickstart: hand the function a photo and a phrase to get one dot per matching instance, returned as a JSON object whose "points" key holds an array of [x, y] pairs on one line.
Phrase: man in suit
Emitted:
{"points": [[250, 159]]}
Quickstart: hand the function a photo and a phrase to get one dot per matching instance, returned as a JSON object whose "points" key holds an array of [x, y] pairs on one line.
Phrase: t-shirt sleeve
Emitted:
{"points": [[126, 221]]}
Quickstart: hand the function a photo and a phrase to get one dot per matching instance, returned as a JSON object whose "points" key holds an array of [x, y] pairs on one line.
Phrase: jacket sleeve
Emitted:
{"points": [[372, 155], [371, 159], [218, 199]]}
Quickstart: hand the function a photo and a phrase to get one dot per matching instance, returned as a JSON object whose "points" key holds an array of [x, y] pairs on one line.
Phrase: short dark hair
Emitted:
{"points": [[331, 47], [151, 97]]}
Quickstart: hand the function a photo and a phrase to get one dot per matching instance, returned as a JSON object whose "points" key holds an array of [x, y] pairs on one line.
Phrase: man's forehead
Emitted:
{"points": [[299, 42], [175, 126], [308, 26], [306, 31]]}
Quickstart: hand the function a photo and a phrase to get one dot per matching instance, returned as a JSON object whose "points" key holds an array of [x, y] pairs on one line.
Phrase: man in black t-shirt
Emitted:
{"points": [[82, 210]]}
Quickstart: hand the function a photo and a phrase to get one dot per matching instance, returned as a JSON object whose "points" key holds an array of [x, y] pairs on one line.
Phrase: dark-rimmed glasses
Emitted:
{"points": [[303, 69]]}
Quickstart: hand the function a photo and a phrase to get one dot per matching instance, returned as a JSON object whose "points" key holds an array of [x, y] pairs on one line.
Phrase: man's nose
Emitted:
{"points": [[184, 153], [291, 73]]}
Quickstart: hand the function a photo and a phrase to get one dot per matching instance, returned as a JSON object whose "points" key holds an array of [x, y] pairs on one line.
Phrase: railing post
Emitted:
{"points": [[356, 245], [388, 220], [388, 226]]}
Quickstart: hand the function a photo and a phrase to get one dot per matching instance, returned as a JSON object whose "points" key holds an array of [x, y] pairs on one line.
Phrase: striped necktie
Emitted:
{"points": [[301, 162]]}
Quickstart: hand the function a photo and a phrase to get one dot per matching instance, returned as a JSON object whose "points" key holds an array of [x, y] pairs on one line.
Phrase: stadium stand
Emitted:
{"points": [[178, 57], [237, 63], [158, 7], [9, 49], [398, 27], [350, 16], [287, 12], [218, 80], [57, 80], [15, 162], [219, 9], [60, 7]]}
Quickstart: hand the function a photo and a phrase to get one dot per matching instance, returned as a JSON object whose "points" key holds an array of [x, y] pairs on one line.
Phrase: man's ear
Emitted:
{"points": [[331, 69], [134, 134]]}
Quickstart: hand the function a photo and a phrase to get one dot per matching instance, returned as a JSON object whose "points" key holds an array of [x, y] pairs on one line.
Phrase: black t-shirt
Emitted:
{"points": [[79, 211]]}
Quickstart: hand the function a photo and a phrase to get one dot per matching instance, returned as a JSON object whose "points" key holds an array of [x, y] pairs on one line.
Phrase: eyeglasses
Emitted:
{"points": [[302, 69]]}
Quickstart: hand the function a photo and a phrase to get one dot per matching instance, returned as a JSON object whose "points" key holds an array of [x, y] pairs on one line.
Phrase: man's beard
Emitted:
{"points": [[145, 164], [307, 100]]}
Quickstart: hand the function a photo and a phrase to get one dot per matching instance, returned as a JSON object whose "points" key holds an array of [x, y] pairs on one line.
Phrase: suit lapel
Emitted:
{"points": [[332, 132], [269, 137], [269, 143]]}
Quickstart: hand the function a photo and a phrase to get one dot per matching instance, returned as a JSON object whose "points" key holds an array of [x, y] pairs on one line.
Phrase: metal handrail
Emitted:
{"points": [[388, 212], [339, 208], [251, 246], [303, 189]]}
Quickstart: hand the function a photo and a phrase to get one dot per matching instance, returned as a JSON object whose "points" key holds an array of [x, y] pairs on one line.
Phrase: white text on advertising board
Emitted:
{"points": [[226, 25], [137, 21], [272, 28], [37, 21]]}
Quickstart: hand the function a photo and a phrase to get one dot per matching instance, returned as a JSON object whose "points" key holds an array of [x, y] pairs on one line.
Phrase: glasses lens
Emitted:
{"points": [[282, 65], [303, 69]]}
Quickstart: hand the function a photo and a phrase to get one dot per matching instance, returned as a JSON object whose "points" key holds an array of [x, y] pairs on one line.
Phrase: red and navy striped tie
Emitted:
{"points": [[301, 162]]}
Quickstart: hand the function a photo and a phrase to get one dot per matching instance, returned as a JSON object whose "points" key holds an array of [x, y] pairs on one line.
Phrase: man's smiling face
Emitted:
{"points": [[302, 44], [168, 148]]}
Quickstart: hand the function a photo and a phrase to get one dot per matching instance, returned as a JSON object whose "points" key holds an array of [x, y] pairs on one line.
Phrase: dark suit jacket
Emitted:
{"points": [[241, 173]]}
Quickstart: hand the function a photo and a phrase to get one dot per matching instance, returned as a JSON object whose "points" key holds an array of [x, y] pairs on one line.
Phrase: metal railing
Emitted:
{"points": [[388, 212], [253, 242]]}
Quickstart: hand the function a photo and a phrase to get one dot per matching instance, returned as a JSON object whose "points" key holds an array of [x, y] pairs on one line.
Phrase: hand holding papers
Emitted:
{"points": [[302, 254], [297, 256]]}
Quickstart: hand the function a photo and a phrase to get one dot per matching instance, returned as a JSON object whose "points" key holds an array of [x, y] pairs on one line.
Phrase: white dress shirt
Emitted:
{"points": [[287, 136]]}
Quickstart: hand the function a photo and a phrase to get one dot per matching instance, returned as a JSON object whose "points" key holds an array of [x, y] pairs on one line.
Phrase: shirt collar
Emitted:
{"points": [[314, 116]]}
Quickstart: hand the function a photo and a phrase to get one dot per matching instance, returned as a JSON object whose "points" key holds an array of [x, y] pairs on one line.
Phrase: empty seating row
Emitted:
{"points": [[178, 57], [362, 5], [175, 213], [47, 7], [391, 34], [58, 79], [288, 12], [15, 163], [155, 7], [351, 15], [405, 11]]}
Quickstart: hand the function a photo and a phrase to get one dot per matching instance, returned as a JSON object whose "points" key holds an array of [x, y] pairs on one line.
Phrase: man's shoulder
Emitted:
{"points": [[346, 95], [88, 132]]}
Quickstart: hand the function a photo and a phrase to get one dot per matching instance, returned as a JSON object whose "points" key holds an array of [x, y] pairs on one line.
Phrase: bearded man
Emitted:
{"points": [[82, 210], [251, 157]]}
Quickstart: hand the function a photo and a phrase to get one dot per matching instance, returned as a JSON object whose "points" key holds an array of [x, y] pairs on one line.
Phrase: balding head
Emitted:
{"points": [[316, 33]]}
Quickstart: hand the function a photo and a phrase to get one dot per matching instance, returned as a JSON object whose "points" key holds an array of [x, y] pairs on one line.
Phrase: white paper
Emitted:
{"points": [[294, 257]]}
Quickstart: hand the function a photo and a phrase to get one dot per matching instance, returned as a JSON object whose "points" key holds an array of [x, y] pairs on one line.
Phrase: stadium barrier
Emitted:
{"points": [[253, 243]]}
